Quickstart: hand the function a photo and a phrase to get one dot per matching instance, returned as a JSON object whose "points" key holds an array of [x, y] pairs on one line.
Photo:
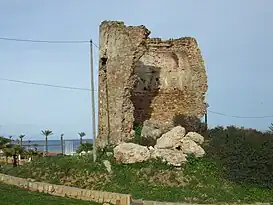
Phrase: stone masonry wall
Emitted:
{"points": [[144, 78], [72, 192]]}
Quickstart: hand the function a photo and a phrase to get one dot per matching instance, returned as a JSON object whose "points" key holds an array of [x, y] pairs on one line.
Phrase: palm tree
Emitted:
{"points": [[3, 142], [15, 151], [46, 133], [7, 153], [81, 134], [10, 150], [21, 139]]}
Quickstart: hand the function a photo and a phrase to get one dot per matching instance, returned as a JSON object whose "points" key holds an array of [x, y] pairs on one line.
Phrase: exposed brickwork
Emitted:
{"points": [[144, 78]]}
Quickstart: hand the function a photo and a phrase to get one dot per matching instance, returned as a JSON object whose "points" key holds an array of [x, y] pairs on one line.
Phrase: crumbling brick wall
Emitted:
{"points": [[144, 78]]}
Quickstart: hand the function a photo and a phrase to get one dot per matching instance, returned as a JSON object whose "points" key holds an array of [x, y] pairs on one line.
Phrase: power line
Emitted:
{"points": [[236, 116], [43, 84], [86, 89], [48, 41], [42, 41]]}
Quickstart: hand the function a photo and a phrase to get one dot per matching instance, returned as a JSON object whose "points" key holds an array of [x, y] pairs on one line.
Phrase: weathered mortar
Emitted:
{"points": [[142, 78]]}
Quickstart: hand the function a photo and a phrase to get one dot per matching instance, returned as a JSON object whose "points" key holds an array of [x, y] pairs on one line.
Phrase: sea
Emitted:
{"points": [[54, 146]]}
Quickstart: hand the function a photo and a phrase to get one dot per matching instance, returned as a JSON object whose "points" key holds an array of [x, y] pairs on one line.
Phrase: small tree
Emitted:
{"points": [[15, 151], [46, 133], [81, 134], [7, 153], [12, 151], [21, 140], [4, 142]]}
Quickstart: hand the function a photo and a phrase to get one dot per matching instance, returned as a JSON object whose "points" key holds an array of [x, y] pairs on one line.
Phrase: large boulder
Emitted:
{"points": [[129, 153], [171, 138], [188, 146], [151, 129], [194, 136], [173, 157]]}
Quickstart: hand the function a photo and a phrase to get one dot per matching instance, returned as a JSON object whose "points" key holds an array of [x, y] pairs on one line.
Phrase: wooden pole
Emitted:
{"points": [[93, 102]]}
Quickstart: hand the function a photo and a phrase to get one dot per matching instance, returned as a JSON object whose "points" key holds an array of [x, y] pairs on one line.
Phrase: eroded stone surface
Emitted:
{"points": [[199, 139], [129, 153], [144, 78], [173, 157], [171, 138], [188, 146], [151, 130]]}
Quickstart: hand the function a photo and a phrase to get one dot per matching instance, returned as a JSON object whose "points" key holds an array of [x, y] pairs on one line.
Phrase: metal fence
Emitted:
{"points": [[67, 147]]}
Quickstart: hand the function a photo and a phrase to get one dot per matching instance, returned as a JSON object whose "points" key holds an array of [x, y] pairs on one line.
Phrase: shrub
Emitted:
{"points": [[138, 139], [191, 124], [245, 154], [85, 147]]}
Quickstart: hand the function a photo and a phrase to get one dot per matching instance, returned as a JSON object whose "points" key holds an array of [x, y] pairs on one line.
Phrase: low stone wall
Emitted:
{"points": [[143, 202], [65, 191], [89, 195]]}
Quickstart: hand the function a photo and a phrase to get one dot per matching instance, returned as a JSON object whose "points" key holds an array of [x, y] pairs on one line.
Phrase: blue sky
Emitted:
{"points": [[235, 38]]}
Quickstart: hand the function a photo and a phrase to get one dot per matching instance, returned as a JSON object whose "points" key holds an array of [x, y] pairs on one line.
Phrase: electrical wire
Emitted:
{"points": [[42, 41], [43, 84], [48, 41], [86, 89], [236, 116]]}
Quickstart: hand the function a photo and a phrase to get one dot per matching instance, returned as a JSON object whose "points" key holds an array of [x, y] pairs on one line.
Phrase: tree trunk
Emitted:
{"points": [[21, 142], [80, 140], [46, 145], [14, 161]]}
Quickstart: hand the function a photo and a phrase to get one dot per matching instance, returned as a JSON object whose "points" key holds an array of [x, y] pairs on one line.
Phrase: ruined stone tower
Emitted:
{"points": [[144, 78]]}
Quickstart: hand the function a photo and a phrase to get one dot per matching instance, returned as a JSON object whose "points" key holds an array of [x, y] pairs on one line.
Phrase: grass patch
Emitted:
{"points": [[200, 181], [237, 169], [12, 195]]}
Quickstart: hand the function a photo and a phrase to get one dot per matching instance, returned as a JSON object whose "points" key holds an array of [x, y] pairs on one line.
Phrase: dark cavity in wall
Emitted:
{"points": [[103, 61], [190, 123], [145, 90]]}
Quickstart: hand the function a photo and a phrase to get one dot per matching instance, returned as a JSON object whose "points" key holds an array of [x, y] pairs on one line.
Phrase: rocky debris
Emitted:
{"points": [[129, 153], [151, 130], [199, 139], [172, 147], [188, 146], [171, 138], [107, 165], [173, 157]]}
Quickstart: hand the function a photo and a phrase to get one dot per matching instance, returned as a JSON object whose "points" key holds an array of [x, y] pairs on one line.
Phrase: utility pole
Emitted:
{"points": [[93, 102], [206, 114]]}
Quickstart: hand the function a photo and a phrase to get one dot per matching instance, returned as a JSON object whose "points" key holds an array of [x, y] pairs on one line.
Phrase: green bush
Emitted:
{"points": [[246, 155], [85, 147], [138, 139]]}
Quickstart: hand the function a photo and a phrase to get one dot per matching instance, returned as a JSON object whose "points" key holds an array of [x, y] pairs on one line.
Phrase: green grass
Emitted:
{"points": [[200, 181], [11, 195], [238, 168]]}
